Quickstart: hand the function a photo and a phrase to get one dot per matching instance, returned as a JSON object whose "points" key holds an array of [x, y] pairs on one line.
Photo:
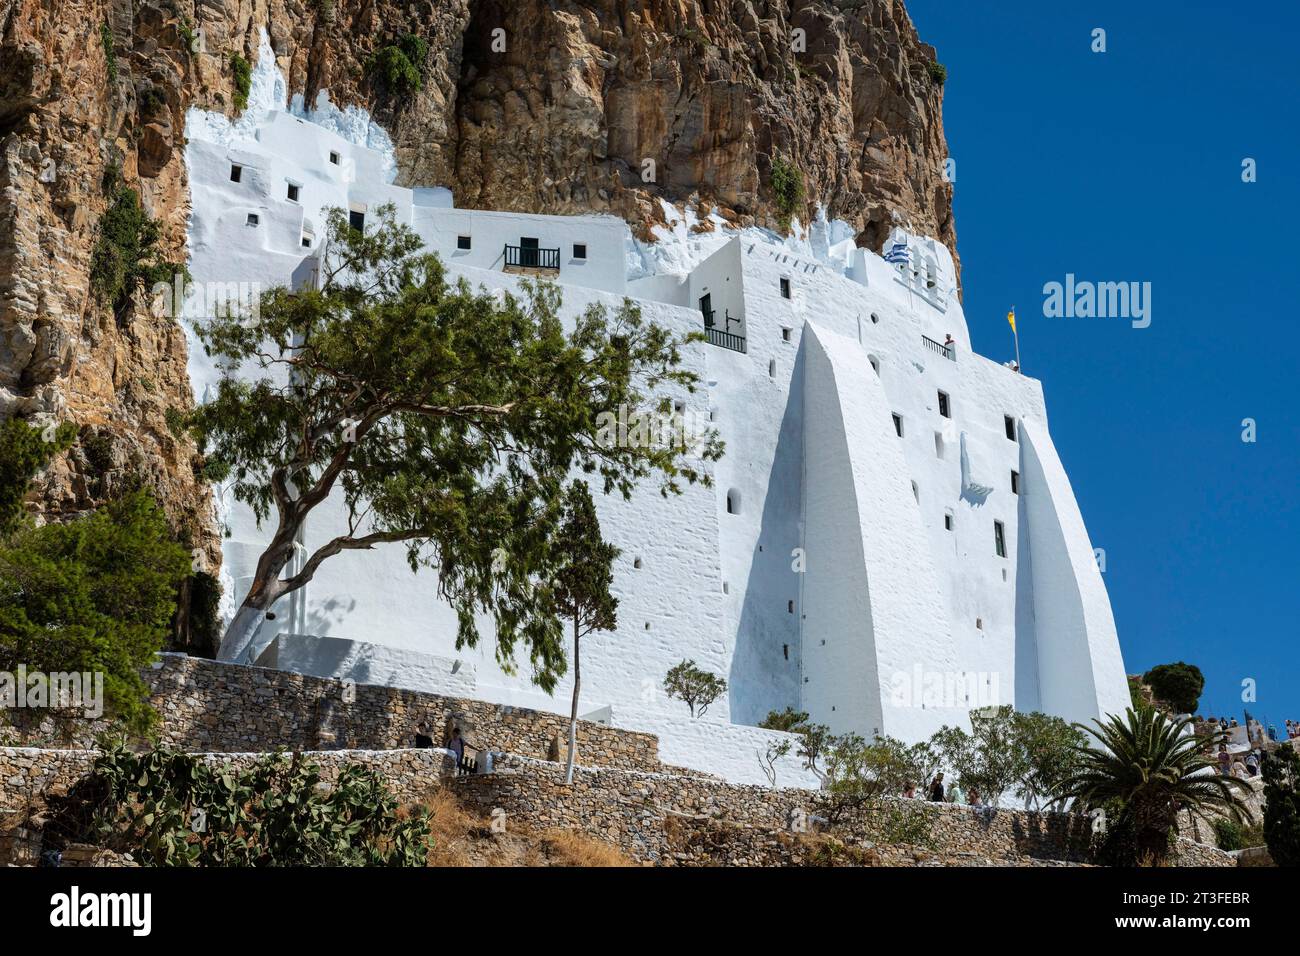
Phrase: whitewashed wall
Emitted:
{"points": [[826, 539]]}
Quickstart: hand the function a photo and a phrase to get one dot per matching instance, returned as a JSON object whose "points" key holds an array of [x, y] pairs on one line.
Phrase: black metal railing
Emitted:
{"points": [[725, 339], [530, 257], [945, 350]]}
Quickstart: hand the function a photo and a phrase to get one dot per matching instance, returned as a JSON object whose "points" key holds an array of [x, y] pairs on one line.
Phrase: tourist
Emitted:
{"points": [[1225, 761], [1272, 732], [1252, 764], [909, 790], [955, 796], [936, 788], [1239, 769], [456, 746], [422, 737], [974, 797]]}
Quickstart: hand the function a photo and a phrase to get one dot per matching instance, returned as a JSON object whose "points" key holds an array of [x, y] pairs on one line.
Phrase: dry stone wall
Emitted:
{"points": [[214, 706], [670, 819]]}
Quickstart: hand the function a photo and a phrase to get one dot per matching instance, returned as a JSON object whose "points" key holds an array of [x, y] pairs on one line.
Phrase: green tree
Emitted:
{"points": [[1177, 685], [694, 686], [444, 420], [1143, 769], [583, 576], [859, 773], [1281, 773], [789, 720], [24, 451], [95, 594]]}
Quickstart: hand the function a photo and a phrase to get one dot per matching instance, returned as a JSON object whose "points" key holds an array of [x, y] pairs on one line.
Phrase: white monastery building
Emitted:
{"points": [[891, 540]]}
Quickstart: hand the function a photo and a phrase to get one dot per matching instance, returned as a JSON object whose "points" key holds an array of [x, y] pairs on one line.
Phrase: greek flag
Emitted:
{"points": [[898, 252]]}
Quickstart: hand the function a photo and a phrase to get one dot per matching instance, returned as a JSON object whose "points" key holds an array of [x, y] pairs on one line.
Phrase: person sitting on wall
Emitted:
{"points": [[422, 738], [954, 794], [974, 797], [1252, 764], [909, 790], [936, 788]]}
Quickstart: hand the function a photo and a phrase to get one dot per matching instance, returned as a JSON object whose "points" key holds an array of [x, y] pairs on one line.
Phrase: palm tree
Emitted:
{"points": [[1149, 768]]}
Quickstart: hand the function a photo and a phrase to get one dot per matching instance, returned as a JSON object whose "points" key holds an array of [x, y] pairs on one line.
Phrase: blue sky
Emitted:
{"points": [[1127, 166]]}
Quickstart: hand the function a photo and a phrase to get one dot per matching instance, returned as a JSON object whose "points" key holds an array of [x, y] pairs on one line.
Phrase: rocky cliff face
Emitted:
{"points": [[554, 106]]}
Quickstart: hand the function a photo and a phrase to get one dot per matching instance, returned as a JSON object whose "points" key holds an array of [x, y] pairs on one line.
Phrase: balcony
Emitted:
{"points": [[530, 260], [725, 339], [945, 350]]}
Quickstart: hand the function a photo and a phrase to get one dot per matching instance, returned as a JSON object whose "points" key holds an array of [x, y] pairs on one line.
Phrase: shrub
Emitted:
{"points": [[938, 72], [1178, 685], [787, 189], [110, 57], [1227, 834], [242, 71], [126, 256], [789, 720], [399, 67], [169, 808]]}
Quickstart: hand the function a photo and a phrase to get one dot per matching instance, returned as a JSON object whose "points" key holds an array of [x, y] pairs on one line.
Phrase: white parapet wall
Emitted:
{"points": [[365, 662]]}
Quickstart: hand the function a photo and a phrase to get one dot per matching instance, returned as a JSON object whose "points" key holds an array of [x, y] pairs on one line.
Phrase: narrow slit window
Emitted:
{"points": [[898, 424], [293, 191], [938, 445], [236, 173], [947, 521], [357, 220], [944, 408], [1015, 482], [334, 157], [999, 539], [1009, 424], [785, 288]]}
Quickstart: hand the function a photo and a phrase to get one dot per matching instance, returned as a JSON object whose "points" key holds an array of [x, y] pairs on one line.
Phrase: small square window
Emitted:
{"points": [[785, 288], [357, 220], [944, 409], [236, 173], [306, 242], [580, 250], [334, 157], [999, 539], [1015, 482], [1009, 424], [253, 219], [293, 192], [463, 242], [898, 425]]}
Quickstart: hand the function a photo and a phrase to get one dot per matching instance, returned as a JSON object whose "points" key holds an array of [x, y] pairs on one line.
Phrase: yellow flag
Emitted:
{"points": [[1011, 317]]}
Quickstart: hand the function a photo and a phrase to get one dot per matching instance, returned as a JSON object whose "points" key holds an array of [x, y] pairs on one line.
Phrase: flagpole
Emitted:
{"points": [[1015, 332]]}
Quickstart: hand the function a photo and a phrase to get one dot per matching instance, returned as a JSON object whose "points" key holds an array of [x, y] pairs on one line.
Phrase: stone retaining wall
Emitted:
{"points": [[668, 819], [29, 775], [213, 706]]}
